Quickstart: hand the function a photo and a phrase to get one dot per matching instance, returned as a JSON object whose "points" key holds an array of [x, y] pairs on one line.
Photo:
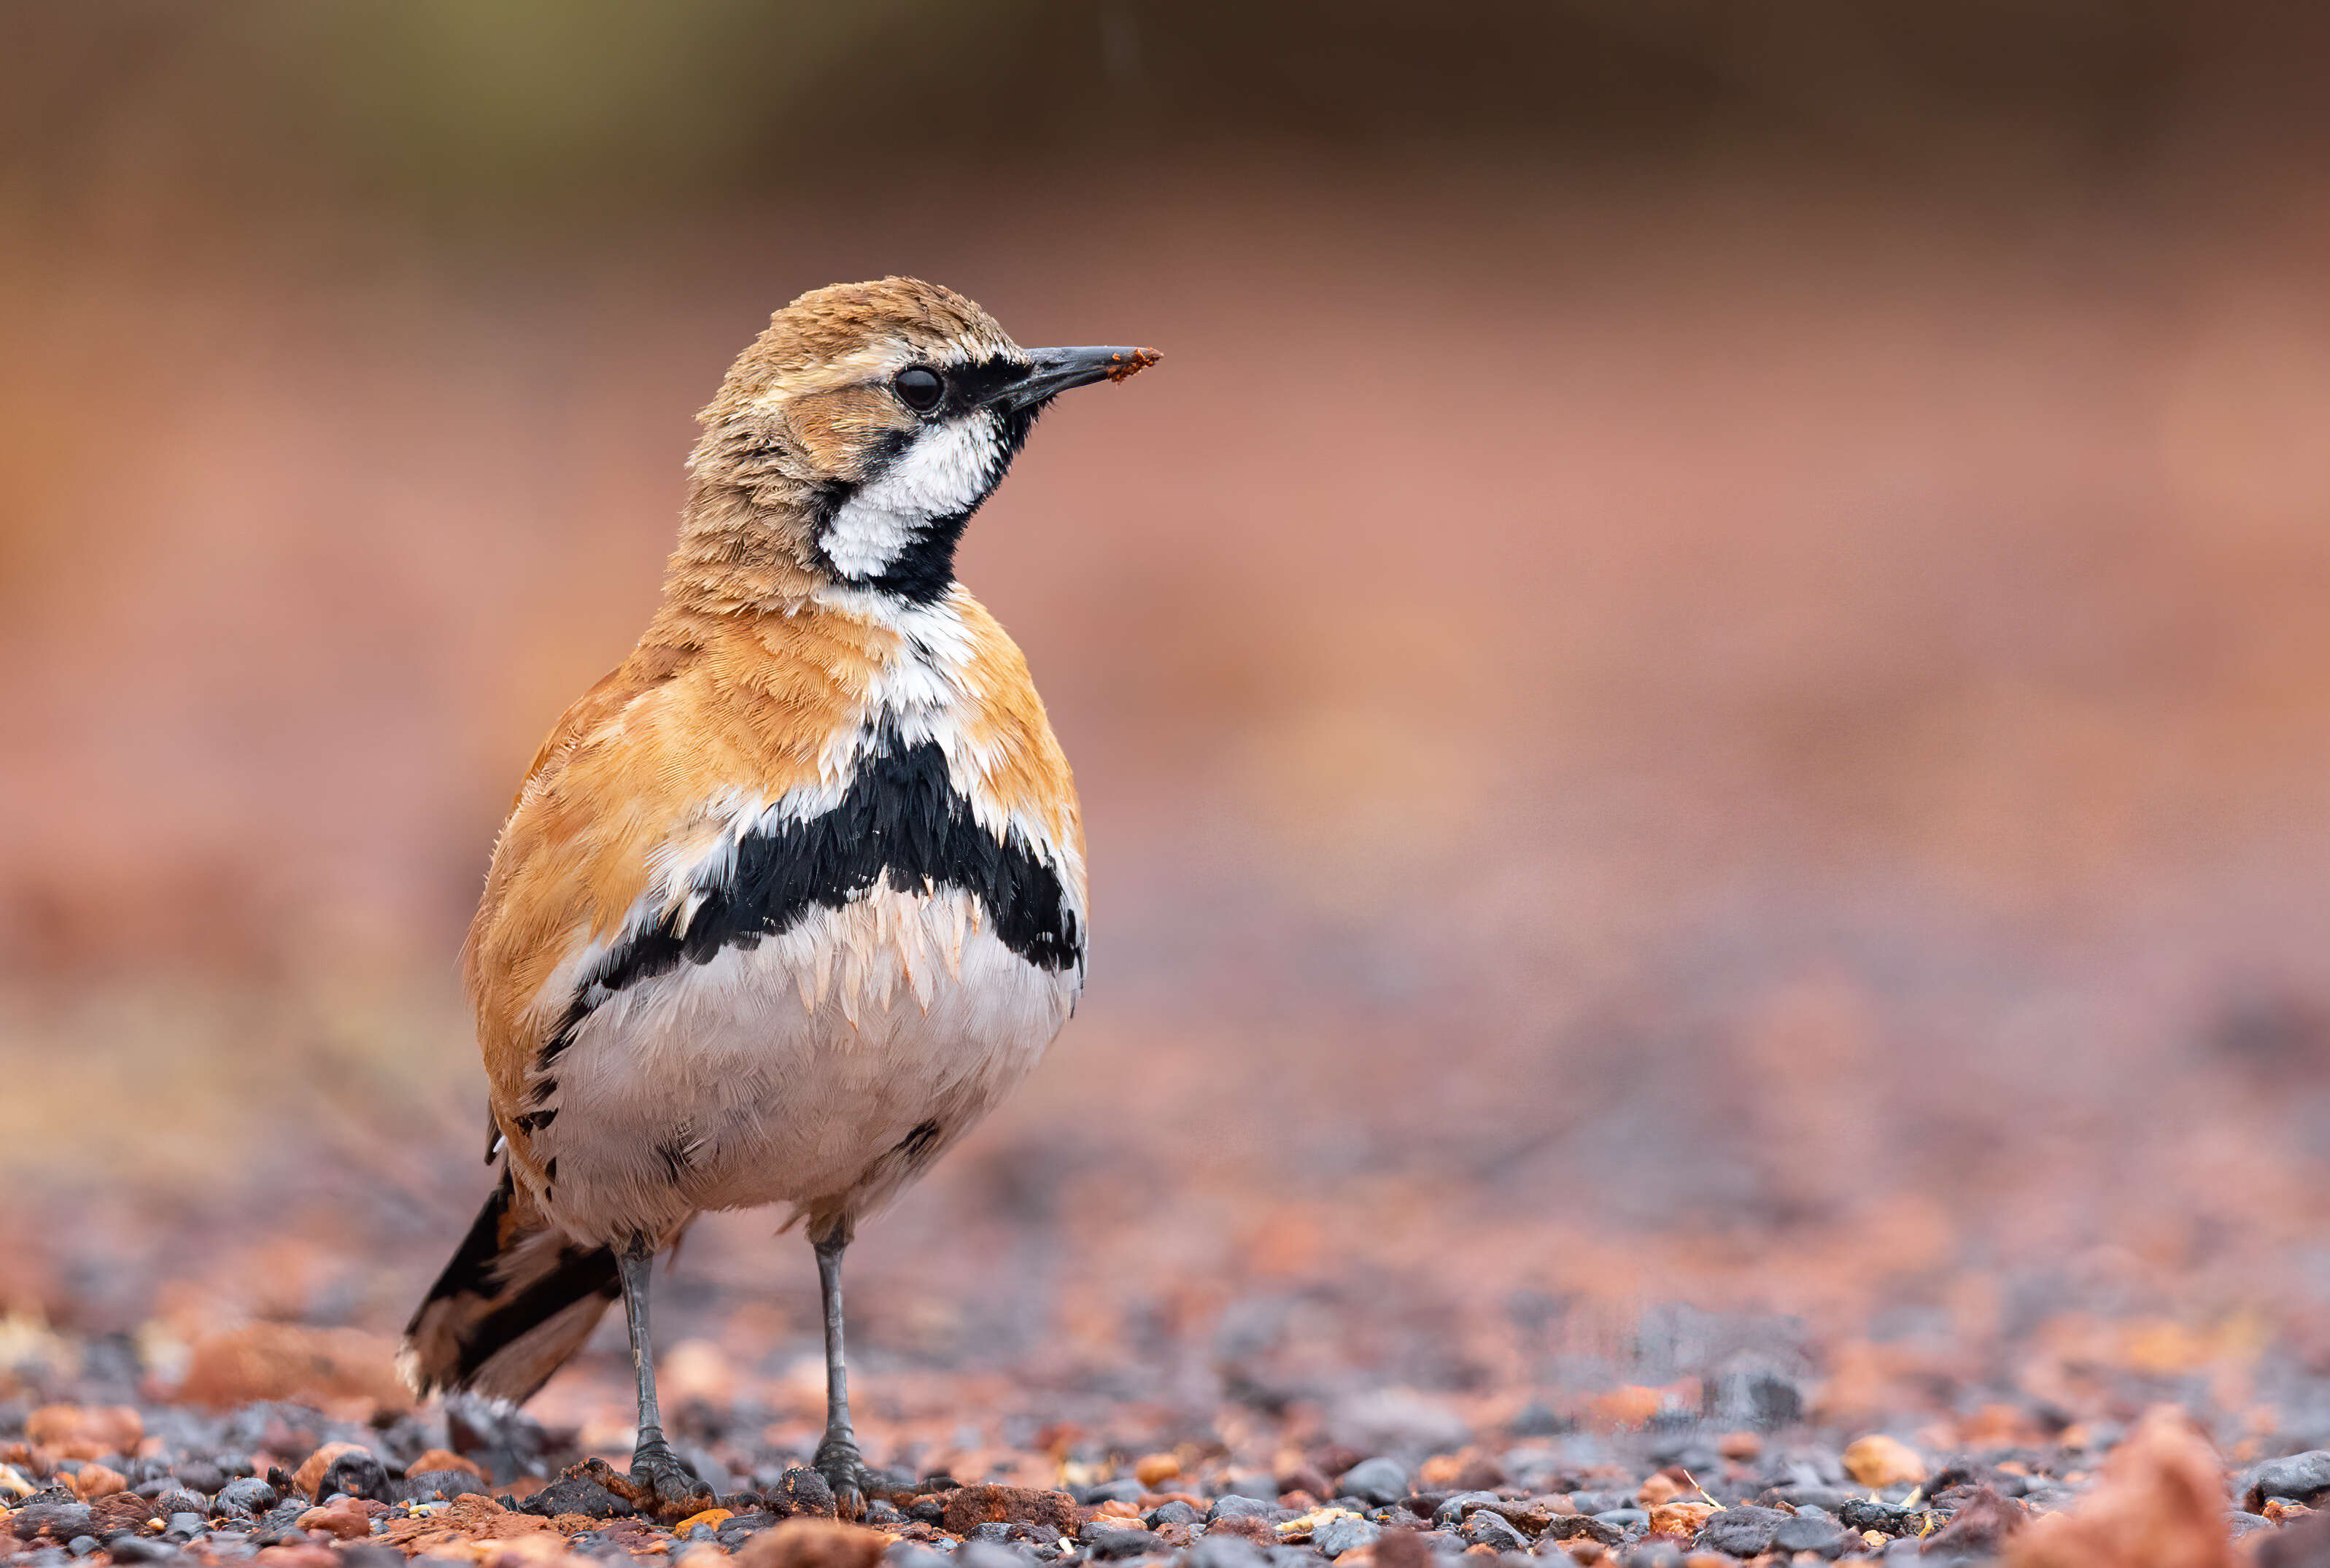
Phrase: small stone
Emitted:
{"points": [[1827, 1499], [349, 1519], [1213, 1551], [309, 1476], [184, 1525], [1379, 1481], [434, 1459], [1177, 1511], [1479, 1473], [1980, 1526], [800, 1493], [1878, 1460], [2294, 1478], [1584, 1528], [2305, 1544], [1659, 1488], [1402, 1549], [1343, 1534], [1153, 1470], [978, 1553], [1742, 1530], [1106, 1543], [1252, 1484], [178, 1500], [444, 1485], [1861, 1515], [85, 1432], [1239, 1507], [201, 1476], [1454, 1507], [83, 1545], [982, 1504], [52, 1520], [1740, 1447], [909, 1554], [247, 1498], [811, 1543], [1681, 1518], [92, 1482], [1814, 1533], [1307, 1479], [574, 1494], [1486, 1528]]}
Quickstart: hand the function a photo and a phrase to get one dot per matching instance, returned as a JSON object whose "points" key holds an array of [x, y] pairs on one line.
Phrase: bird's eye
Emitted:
{"points": [[919, 388]]}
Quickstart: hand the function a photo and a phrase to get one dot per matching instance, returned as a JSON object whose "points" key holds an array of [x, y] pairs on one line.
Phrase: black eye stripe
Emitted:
{"points": [[982, 379]]}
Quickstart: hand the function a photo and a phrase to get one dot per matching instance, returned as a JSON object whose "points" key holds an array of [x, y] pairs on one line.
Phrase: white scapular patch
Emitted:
{"points": [[947, 470]]}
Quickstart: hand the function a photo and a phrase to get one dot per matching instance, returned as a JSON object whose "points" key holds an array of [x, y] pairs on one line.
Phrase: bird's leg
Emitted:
{"points": [[838, 1459], [656, 1473]]}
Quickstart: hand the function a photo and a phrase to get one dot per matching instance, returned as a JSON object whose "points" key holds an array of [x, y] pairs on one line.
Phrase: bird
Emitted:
{"points": [[796, 896]]}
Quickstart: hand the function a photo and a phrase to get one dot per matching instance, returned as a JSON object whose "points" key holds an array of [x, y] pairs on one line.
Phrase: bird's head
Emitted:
{"points": [[852, 441]]}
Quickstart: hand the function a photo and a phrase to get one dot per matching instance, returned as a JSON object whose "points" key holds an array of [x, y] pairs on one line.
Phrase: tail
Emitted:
{"points": [[516, 1300]]}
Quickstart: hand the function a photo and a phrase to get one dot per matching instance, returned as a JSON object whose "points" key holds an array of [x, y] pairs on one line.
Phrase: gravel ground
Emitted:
{"points": [[284, 1484]]}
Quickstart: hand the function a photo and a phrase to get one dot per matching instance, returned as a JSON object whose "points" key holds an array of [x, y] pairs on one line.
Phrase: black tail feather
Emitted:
{"points": [[516, 1301]]}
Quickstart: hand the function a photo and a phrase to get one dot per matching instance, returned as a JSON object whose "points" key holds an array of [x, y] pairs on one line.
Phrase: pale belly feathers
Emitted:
{"points": [[824, 1067]]}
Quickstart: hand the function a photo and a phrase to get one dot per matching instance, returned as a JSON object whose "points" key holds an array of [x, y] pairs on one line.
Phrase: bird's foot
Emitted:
{"points": [[844, 1470], [660, 1485]]}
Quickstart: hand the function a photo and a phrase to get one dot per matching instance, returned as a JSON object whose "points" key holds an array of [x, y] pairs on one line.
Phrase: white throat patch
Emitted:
{"points": [[946, 470]]}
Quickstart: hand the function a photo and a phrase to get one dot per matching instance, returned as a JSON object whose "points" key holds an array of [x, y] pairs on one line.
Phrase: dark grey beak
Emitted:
{"points": [[1053, 371]]}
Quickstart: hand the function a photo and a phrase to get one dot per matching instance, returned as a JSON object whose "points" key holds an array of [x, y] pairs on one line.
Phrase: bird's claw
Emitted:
{"points": [[844, 1470], [660, 1485], [657, 1472]]}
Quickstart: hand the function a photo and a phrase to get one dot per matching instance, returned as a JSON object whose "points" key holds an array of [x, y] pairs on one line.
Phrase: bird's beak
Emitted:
{"points": [[1053, 371]]}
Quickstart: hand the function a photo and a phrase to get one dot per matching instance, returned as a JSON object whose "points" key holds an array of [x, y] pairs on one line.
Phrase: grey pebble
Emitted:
{"points": [[1378, 1480], [1810, 1532], [370, 1554], [1238, 1506], [1225, 1552], [250, 1497], [1627, 1519], [141, 1549], [1338, 1535], [2294, 1478], [1488, 1528], [1175, 1512], [1103, 1543], [57, 1521], [981, 1552], [200, 1475], [1827, 1499], [1744, 1531], [1452, 1509]]}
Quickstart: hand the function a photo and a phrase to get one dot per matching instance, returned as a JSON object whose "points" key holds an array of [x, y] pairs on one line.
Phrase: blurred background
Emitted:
{"points": [[1701, 686]]}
